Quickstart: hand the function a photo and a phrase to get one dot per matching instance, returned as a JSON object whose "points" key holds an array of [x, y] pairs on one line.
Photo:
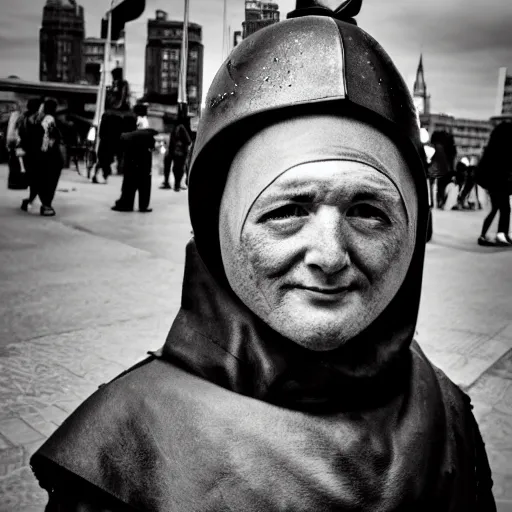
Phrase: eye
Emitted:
{"points": [[367, 211], [287, 211]]}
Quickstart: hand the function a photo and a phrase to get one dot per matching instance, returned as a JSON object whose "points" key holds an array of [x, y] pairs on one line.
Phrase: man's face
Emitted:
{"points": [[323, 250]]}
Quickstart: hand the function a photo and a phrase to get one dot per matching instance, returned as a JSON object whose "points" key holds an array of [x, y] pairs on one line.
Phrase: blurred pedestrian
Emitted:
{"points": [[51, 162], [29, 142], [494, 173], [136, 147], [441, 169], [16, 179], [290, 379], [176, 156], [468, 198]]}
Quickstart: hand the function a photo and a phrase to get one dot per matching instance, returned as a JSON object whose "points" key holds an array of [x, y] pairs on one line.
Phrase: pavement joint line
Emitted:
{"points": [[71, 331]]}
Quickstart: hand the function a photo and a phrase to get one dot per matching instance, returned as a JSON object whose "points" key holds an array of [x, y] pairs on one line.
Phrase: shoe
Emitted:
{"points": [[509, 238], [165, 186], [484, 241], [25, 204], [146, 210], [177, 189], [47, 211], [117, 208], [183, 187], [501, 239]]}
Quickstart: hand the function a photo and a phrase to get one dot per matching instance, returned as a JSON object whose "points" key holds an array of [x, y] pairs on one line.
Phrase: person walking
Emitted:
{"points": [[441, 166], [29, 142], [51, 157], [179, 143], [290, 379], [494, 173], [136, 146], [16, 179]]}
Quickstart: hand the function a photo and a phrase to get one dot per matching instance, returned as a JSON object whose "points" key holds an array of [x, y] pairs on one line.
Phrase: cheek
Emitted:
{"points": [[267, 257], [384, 253]]}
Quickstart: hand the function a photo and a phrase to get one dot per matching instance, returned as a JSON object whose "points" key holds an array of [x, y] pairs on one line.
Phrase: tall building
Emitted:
{"points": [[420, 96], [163, 51], [259, 15], [60, 41], [504, 94], [93, 55], [470, 135]]}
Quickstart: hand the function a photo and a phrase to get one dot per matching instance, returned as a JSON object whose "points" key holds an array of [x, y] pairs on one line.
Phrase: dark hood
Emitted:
{"points": [[217, 337]]}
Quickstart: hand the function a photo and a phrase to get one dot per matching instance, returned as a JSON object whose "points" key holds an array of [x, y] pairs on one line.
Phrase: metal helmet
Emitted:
{"points": [[316, 63]]}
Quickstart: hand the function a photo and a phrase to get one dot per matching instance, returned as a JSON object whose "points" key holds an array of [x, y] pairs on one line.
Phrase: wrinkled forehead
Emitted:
{"points": [[295, 142], [333, 181]]}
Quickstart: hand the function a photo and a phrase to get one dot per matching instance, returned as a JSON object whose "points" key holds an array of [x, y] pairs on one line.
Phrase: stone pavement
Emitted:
{"points": [[87, 293]]}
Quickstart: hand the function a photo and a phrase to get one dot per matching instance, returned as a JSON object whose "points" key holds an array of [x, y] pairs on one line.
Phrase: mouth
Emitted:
{"points": [[325, 290]]}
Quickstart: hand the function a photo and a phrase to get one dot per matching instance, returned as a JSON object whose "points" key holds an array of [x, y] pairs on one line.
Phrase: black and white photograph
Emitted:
{"points": [[255, 256]]}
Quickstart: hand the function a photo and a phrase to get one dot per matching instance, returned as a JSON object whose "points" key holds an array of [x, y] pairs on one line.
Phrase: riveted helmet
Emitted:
{"points": [[318, 60]]}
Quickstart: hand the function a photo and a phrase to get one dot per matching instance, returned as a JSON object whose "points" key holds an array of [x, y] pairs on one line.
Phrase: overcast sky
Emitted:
{"points": [[464, 42]]}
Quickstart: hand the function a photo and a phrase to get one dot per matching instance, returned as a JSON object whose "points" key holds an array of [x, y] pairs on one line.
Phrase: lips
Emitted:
{"points": [[325, 290]]}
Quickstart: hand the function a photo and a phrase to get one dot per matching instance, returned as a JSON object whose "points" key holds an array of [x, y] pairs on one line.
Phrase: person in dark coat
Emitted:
{"points": [[136, 148], [41, 139], [441, 168], [290, 378], [176, 155], [496, 169]]}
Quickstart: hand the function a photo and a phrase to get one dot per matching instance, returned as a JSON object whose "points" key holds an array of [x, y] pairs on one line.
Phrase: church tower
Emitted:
{"points": [[420, 95]]}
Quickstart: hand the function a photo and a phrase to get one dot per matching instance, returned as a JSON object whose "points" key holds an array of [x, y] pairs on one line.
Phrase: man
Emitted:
{"points": [[179, 144], [136, 156]]}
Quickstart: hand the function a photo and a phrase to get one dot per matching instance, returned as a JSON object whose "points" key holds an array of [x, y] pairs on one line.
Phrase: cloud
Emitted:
{"points": [[464, 42]]}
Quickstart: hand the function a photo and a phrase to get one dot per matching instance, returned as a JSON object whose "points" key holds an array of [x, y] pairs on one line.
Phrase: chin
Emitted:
{"points": [[318, 336]]}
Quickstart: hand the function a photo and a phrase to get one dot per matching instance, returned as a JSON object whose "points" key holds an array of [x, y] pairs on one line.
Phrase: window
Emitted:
{"points": [[165, 55], [192, 92], [175, 54], [174, 84], [193, 55]]}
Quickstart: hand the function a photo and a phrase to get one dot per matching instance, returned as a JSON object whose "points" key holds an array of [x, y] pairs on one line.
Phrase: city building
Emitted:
{"points": [[504, 94], [420, 96], [259, 15], [93, 55], [60, 39], [471, 135], [163, 51]]}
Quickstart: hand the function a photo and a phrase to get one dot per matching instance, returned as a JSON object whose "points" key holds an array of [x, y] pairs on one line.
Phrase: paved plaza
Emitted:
{"points": [[87, 293]]}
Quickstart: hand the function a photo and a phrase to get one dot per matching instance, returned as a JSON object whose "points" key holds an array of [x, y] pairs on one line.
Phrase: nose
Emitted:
{"points": [[327, 248]]}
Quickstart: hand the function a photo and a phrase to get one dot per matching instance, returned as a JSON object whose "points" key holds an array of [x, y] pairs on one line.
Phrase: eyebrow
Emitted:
{"points": [[307, 193]]}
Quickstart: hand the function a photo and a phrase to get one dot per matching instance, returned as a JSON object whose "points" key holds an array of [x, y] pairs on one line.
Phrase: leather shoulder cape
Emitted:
{"points": [[186, 430]]}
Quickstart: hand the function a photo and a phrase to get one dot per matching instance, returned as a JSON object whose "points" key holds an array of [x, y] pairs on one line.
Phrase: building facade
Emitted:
{"points": [[93, 55], [504, 94], [471, 135], [60, 38], [259, 15], [163, 53]]}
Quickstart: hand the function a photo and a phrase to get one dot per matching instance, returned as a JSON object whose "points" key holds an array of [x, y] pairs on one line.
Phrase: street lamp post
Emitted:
{"points": [[182, 89], [100, 100]]}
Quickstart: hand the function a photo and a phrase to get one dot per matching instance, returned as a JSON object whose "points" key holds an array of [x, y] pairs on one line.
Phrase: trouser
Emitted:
{"points": [[105, 159], [178, 168], [500, 202], [43, 175], [135, 179]]}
